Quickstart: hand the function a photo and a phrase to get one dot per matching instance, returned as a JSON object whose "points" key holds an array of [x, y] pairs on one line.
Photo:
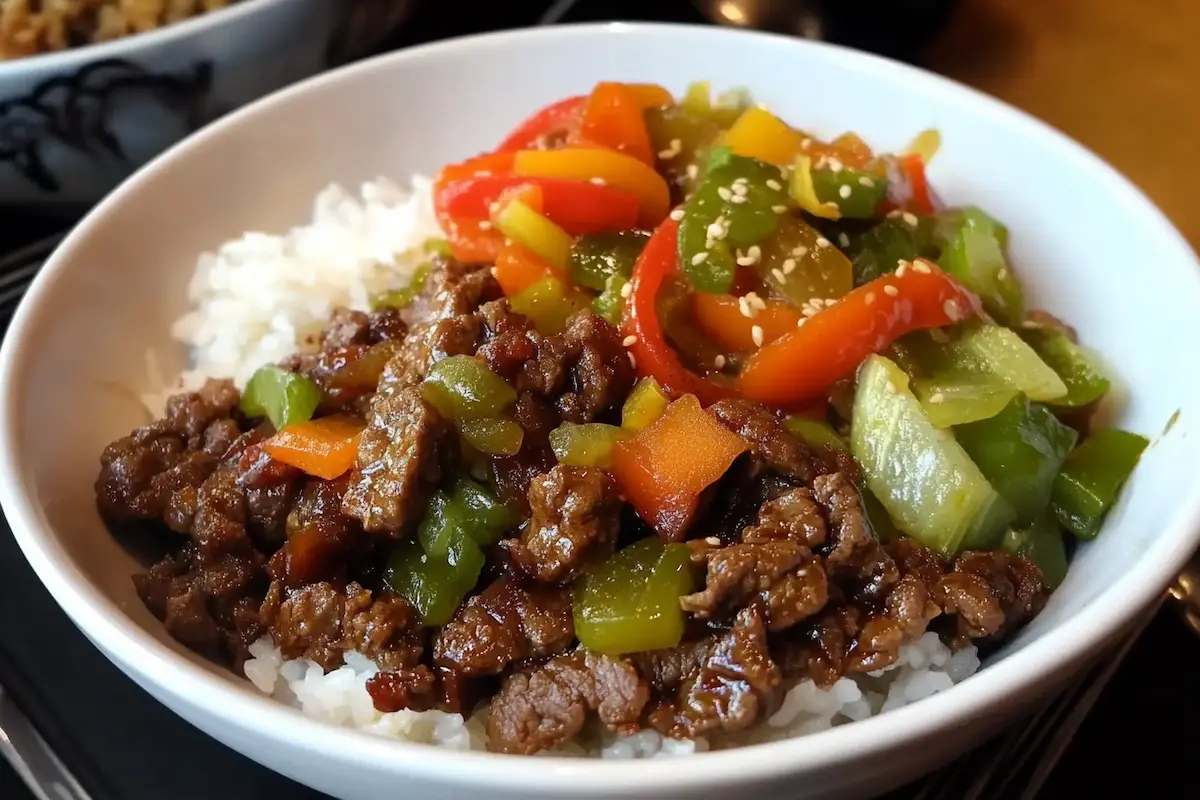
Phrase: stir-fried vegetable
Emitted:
{"points": [[578, 207], [1042, 543], [972, 251], [833, 342], [555, 119], [957, 397], [797, 266], [610, 304], [881, 248], [612, 168], [612, 117], [1020, 451], [1092, 478], [815, 434], [283, 397], [760, 135], [856, 193], [517, 268], [645, 404], [664, 468], [434, 587], [804, 192], [595, 259], [923, 478], [1080, 371], [325, 447], [723, 318], [496, 437], [734, 210], [586, 445], [550, 303], [681, 137], [522, 224], [463, 388], [1000, 353], [630, 603]]}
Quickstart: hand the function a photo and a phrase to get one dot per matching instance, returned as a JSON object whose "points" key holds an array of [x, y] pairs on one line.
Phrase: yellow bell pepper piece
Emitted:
{"points": [[612, 168], [925, 144], [758, 133], [805, 194], [698, 98], [525, 226]]}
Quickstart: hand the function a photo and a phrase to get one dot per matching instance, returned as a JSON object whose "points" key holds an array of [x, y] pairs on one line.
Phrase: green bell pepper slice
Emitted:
{"points": [[463, 388], [283, 397], [596, 258], [1080, 371], [645, 403], [959, 398], [1042, 543], [402, 298], [1020, 451], [587, 445], [495, 437], [735, 208], [878, 250], [434, 586], [609, 305], [1092, 477], [929, 486], [549, 304], [857, 194], [973, 252], [630, 603], [999, 352], [815, 433], [681, 137]]}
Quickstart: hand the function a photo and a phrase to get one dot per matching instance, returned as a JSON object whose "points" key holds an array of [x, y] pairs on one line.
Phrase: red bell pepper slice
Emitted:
{"points": [[613, 118], [470, 240], [578, 207], [830, 345], [650, 348], [560, 117]]}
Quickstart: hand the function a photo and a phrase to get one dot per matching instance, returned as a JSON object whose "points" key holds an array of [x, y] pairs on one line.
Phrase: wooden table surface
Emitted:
{"points": [[1116, 75]]}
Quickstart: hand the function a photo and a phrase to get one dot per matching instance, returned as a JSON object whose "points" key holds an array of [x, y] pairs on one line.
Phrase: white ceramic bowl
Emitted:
{"points": [[73, 124], [1089, 246]]}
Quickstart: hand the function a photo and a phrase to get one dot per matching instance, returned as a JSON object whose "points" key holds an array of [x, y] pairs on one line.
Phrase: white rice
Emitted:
{"points": [[340, 697], [259, 298]]}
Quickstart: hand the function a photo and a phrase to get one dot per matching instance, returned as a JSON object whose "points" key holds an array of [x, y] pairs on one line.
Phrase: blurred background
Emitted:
{"points": [[1114, 75]]}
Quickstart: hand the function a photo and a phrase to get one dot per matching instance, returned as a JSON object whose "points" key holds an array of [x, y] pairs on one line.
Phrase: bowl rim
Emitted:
{"points": [[153, 663], [123, 46]]}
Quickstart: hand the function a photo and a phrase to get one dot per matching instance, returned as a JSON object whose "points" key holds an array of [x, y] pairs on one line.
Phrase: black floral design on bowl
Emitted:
{"points": [[76, 111]]}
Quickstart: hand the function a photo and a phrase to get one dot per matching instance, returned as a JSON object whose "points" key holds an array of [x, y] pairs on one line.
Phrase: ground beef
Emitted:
{"points": [[402, 455], [141, 473], [585, 370], [319, 535], [783, 575], [769, 440], [852, 553], [737, 684], [793, 516], [503, 624], [413, 689], [271, 488], [575, 520], [988, 592], [547, 707]]}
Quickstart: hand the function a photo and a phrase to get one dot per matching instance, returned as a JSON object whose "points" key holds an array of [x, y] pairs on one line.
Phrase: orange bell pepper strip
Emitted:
{"points": [[607, 167], [557, 118], [663, 468], [613, 118], [325, 447], [652, 352], [720, 317], [578, 207], [517, 268], [831, 344], [471, 240]]}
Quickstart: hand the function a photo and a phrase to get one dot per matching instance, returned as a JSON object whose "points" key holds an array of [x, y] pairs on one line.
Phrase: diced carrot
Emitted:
{"points": [[325, 447]]}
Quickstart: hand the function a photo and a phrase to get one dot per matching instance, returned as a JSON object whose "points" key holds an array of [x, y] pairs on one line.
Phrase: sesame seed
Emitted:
{"points": [[921, 267], [800, 322], [508, 242], [789, 266], [693, 170], [779, 209], [627, 290], [774, 185], [937, 397], [809, 311], [485, 225], [779, 276], [719, 363], [799, 251], [835, 165], [714, 541], [629, 341], [677, 214], [891, 387], [699, 258], [755, 301], [951, 309], [830, 301], [910, 219], [1002, 273], [738, 198], [674, 148], [938, 335], [845, 191], [891, 291], [901, 268], [724, 193], [483, 173], [741, 181], [843, 239], [632, 358], [739, 187], [493, 206], [870, 298], [754, 252], [895, 214], [822, 241], [805, 143], [744, 308], [865, 181], [599, 181], [756, 334], [717, 229]]}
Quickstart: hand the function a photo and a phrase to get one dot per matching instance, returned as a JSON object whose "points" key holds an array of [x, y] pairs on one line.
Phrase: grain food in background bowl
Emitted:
{"points": [[92, 89]]}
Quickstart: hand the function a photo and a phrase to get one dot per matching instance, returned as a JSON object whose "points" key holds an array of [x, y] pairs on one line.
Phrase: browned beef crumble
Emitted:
{"points": [[792, 580]]}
